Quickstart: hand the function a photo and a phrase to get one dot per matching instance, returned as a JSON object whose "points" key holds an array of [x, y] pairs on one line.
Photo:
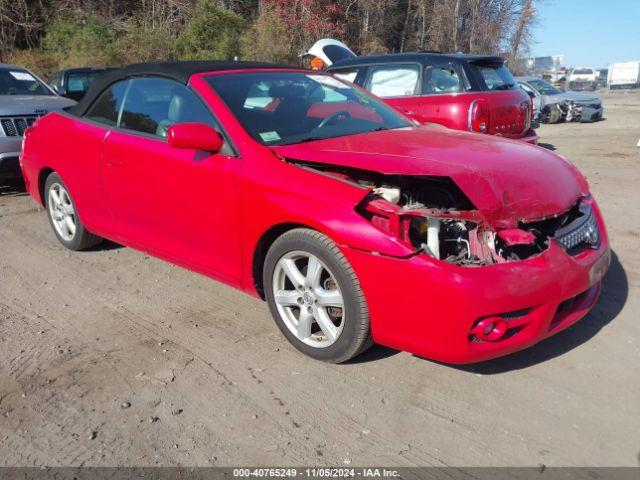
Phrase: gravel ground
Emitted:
{"points": [[111, 357]]}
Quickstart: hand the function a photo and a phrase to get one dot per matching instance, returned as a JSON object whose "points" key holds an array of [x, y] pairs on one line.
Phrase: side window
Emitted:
{"points": [[527, 89], [53, 81], [107, 107], [155, 104], [346, 74], [78, 82], [393, 80], [440, 80]]}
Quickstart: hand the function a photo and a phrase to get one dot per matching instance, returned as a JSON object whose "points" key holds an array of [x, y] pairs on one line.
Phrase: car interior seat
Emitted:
{"points": [[174, 114], [291, 112]]}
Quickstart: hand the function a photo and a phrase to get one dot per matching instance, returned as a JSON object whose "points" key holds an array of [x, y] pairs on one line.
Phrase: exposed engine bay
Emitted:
{"points": [[434, 216]]}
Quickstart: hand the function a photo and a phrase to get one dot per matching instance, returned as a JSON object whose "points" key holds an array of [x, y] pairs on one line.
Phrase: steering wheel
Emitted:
{"points": [[333, 117]]}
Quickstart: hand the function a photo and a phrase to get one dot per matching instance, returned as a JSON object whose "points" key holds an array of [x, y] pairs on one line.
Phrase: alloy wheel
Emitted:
{"points": [[308, 299], [62, 212]]}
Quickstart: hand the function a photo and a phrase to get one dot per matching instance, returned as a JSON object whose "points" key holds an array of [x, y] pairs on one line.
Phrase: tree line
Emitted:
{"points": [[47, 35]]}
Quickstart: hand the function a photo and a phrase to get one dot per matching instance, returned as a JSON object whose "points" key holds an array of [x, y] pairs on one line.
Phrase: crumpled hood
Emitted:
{"points": [[507, 180]]}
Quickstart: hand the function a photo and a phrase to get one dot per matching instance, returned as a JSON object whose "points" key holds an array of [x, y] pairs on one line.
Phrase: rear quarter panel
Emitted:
{"points": [[71, 148]]}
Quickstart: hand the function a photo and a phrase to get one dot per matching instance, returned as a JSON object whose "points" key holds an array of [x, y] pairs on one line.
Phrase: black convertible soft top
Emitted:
{"points": [[179, 71]]}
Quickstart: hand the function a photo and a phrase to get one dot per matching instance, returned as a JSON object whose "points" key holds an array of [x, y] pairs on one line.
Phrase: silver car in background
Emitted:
{"points": [[23, 99], [555, 105]]}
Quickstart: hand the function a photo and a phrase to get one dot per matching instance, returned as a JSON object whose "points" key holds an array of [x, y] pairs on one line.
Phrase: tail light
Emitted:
{"points": [[479, 116], [532, 110], [527, 113], [26, 133]]}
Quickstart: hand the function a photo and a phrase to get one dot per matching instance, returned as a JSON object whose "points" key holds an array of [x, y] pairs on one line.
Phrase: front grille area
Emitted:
{"points": [[582, 232], [15, 126]]}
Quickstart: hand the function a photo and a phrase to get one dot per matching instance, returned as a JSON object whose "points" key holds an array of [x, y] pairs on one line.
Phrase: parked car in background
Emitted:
{"points": [[354, 223], [329, 50], [603, 74], [464, 92], [558, 106], [583, 78], [74, 82], [23, 99], [624, 75]]}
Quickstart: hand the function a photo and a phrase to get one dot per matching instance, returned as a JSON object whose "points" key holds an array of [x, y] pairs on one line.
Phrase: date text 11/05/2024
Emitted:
{"points": [[315, 472]]}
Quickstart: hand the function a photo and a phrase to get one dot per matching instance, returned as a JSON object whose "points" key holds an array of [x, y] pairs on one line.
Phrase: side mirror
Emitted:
{"points": [[195, 136], [532, 95]]}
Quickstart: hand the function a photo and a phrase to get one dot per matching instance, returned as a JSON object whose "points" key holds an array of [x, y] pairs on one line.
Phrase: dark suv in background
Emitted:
{"points": [[73, 83], [23, 99], [463, 92]]}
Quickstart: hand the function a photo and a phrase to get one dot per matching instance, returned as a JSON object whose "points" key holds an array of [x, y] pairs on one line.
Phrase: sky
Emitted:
{"points": [[591, 33]]}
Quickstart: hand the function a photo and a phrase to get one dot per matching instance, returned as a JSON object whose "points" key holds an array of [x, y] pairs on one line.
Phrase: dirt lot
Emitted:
{"points": [[111, 357]]}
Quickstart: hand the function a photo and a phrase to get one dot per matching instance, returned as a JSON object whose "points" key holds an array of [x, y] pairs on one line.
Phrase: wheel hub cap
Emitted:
{"points": [[308, 299], [62, 213]]}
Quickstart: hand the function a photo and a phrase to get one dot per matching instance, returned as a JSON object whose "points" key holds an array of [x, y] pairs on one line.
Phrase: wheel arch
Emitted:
{"points": [[42, 180], [262, 247]]}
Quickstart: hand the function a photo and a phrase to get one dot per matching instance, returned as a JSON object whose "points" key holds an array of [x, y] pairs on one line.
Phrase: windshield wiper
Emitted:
{"points": [[304, 140], [313, 138], [505, 86]]}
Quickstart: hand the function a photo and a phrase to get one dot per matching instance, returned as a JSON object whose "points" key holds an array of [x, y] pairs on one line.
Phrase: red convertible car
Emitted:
{"points": [[355, 224]]}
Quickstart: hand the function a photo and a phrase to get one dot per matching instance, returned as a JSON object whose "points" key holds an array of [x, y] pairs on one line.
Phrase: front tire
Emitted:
{"points": [[315, 297], [64, 218]]}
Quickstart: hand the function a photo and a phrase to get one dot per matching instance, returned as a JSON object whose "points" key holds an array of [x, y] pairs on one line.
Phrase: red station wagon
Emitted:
{"points": [[355, 224], [464, 92]]}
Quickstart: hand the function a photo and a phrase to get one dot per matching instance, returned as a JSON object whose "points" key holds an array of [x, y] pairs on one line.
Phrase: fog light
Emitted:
{"points": [[490, 329]]}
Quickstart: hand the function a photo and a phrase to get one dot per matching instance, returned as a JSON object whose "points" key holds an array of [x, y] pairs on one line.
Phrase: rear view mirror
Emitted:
{"points": [[195, 136]]}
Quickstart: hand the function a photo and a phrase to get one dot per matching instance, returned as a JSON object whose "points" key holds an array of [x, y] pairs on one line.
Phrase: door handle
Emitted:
{"points": [[113, 162]]}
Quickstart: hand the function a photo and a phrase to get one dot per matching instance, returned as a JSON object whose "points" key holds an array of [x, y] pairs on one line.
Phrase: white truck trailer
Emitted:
{"points": [[624, 75]]}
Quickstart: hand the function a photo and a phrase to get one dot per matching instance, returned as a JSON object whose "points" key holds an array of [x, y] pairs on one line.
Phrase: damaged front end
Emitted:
{"points": [[574, 111], [433, 216]]}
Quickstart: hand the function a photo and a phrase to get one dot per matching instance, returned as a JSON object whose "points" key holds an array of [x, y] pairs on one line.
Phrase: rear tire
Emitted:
{"points": [[315, 297], [63, 216]]}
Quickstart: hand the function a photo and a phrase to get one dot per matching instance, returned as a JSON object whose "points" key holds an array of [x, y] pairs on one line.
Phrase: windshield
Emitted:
{"points": [[496, 77], [278, 108], [543, 87], [21, 82], [583, 71]]}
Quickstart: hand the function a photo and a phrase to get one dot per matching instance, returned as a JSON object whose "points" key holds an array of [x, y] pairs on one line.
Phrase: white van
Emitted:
{"points": [[624, 75]]}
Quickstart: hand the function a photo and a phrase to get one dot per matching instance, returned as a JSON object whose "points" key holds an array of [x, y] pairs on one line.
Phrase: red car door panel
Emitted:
{"points": [[80, 168], [422, 108], [180, 204]]}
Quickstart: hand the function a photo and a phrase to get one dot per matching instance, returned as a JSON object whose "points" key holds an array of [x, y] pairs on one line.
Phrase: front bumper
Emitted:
{"points": [[428, 308], [591, 113], [9, 153], [581, 85]]}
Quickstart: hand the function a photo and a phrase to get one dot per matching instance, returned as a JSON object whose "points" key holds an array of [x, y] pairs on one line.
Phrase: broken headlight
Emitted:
{"points": [[441, 237]]}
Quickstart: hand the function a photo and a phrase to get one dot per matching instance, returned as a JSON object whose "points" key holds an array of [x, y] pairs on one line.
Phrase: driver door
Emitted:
{"points": [[182, 205]]}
